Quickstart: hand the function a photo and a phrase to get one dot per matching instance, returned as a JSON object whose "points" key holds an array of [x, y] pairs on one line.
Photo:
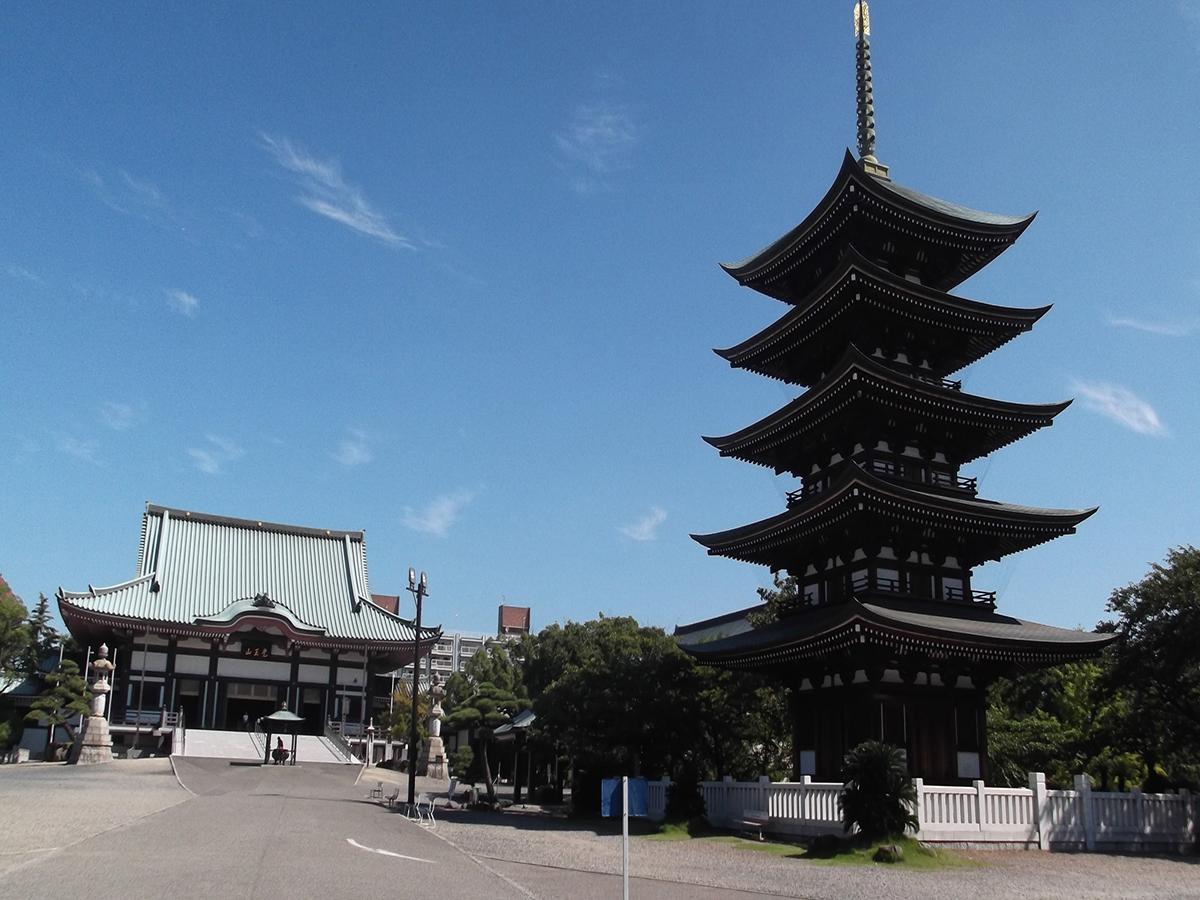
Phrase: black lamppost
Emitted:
{"points": [[418, 590]]}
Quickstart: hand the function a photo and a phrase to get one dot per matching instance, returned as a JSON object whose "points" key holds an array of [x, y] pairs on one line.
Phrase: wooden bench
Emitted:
{"points": [[754, 820]]}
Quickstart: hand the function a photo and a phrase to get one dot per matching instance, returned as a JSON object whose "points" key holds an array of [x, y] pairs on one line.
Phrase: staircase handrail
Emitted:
{"points": [[259, 738], [334, 736]]}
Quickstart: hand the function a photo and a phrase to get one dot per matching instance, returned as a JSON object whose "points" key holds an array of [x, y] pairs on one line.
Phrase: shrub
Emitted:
{"points": [[878, 797], [461, 761]]}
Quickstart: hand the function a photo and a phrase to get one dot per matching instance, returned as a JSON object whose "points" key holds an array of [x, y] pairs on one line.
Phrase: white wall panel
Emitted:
{"points": [[253, 668]]}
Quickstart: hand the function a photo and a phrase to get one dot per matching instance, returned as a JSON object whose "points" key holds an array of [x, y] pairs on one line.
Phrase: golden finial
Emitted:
{"points": [[862, 19], [866, 97]]}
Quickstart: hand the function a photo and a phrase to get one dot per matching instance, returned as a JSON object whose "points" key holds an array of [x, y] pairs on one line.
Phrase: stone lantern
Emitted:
{"points": [[93, 743], [436, 767]]}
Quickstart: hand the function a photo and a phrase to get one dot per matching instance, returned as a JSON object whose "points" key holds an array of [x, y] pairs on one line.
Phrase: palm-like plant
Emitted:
{"points": [[877, 794]]}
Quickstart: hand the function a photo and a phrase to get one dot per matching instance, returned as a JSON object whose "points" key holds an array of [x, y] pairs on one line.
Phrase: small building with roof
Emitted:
{"points": [[226, 620]]}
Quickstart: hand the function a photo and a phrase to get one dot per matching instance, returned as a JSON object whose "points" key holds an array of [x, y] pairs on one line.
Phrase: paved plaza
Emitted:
{"points": [[129, 829]]}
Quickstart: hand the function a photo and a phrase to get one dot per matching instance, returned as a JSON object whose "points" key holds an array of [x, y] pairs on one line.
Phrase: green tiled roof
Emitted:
{"points": [[199, 569]]}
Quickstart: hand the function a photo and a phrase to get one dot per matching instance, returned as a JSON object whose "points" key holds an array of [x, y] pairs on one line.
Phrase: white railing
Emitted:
{"points": [[793, 807], [656, 799], [1031, 817]]}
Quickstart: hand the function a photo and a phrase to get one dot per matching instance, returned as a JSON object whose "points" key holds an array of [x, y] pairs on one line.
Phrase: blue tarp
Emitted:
{"points": [[610, 797]]}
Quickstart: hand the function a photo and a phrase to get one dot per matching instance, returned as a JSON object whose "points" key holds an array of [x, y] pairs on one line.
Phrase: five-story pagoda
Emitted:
{"points": [[885, 636]]}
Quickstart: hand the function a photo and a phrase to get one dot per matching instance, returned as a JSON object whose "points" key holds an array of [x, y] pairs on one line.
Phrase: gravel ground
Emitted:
{"points": [[565, 844], [48, 806]]}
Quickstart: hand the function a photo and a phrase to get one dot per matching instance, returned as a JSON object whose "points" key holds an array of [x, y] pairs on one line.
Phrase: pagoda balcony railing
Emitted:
{"points": [[940, 382], [863, 583], [955, 482], [889, 469], [808, 490], [982, 598]]}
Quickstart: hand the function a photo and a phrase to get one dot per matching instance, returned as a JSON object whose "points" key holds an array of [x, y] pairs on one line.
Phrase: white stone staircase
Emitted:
{"points": [[220, 744], [239, 745]]}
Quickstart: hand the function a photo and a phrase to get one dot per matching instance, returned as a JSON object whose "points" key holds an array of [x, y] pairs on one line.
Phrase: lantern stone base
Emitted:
{"points": [[435, 762], [93, 744]]}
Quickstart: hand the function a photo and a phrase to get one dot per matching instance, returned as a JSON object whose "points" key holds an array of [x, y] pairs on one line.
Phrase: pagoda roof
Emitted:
{"points": [[933, 629], [208, 576], [954, 241], [860, 297], [983, 529], [978, 424]]}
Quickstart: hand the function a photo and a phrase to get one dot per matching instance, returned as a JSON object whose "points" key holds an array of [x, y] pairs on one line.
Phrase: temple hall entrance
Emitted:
{"points": [[250, 700]]}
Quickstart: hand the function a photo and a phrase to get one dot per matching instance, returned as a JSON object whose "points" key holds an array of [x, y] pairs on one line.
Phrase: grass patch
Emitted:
{"points": [[916, 856]]}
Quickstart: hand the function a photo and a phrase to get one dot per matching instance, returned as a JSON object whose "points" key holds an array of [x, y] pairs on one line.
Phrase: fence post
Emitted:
{"points": [[1041, 811], [919, 784], [764, 794], [805, 804], [727, 800], [1083, 788], [1143, 826], [980, 804], [1189, 817]]}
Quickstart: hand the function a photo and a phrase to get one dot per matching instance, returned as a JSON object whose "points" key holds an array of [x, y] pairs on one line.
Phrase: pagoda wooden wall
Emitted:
{"points": [[931, 725]]}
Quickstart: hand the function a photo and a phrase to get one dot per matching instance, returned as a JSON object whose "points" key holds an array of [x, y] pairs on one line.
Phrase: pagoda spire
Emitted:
{"points": [[866, 98]]}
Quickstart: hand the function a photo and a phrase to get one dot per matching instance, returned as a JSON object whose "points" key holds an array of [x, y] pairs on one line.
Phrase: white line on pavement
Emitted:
{"points": [[354, 843]]}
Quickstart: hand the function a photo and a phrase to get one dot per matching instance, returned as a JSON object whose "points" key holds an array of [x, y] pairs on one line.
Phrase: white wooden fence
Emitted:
{"points": [[1030, 817]]}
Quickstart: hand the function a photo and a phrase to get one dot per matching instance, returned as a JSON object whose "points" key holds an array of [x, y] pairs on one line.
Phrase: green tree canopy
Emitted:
{"points": [[485, 695], [615, 695], [782, 600], [42, 637], [66, 696], [398, 721], [1157, 662], [14, 633]]}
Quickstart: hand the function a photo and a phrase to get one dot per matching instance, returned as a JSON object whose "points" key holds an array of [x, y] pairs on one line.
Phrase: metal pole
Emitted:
{"points": [[86, 665], [625, 837], [418, 590], [137, 728]]}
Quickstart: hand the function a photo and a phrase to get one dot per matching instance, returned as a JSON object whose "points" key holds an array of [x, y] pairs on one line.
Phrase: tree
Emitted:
{"points": [[1062, 720], [877, 795], [781, 601], [14, 633], [66, 696], [1157, 662], [617, 697], [485, 695], [42, 638], [398, 721], [744, 726]]}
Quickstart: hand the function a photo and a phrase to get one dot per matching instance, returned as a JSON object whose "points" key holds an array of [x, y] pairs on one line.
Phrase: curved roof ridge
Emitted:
{"points": [[886, 191], [257, 524], [853, 259], [854, 357], [111, 589], [252, 607]]}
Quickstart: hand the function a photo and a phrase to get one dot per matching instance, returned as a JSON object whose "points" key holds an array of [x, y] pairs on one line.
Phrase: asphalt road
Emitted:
{"points": [[260, 832]]}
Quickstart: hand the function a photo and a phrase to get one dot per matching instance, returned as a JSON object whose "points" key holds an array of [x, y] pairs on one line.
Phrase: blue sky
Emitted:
{"points": [[447, 273]]}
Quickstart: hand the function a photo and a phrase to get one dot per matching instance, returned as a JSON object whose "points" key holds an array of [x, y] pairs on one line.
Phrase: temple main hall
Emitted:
{"points": [[884, 634], [227, 619]]}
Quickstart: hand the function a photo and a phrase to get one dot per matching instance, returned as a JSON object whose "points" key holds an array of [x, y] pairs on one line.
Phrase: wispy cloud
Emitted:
{"points": [[439, 514], [596, 143], [1121, 405], [22, 274], [1166, 329], [645, 528], [354, 449], [80, 448], [131, 196], [182, 302], [121, 416], [325, 192], [214, 454]]}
